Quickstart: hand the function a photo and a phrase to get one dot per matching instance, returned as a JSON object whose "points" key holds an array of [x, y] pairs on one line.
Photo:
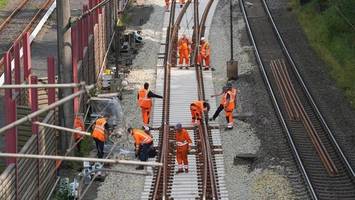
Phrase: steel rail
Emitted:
{"points": [[13, 13], [305, 89], [276, 105]]}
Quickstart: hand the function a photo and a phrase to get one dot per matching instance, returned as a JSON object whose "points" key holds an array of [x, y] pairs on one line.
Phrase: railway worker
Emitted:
{"points": [[183, 146], [227, 104], [204, 55], [143, 144], [197, 108], [184, 46], [99, 134], [78, 125], [145, 102], [234, 92]]}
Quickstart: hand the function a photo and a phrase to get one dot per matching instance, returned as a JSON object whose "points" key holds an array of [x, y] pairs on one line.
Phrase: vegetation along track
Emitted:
{"points": [[21, 20], [321, 161], [201, 182]]}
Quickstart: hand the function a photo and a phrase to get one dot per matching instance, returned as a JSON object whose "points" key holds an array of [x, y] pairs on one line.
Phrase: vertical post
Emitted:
{"points": [[80, 39], [232, 65], [74, 37], [51, 79], [17, 65], [85, 27], [26, 56], [64, 68], [231, 26], [10, 111]]}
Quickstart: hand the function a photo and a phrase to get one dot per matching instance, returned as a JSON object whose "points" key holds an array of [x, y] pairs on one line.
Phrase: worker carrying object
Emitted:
{"points": [[204, 55], [145, 102], [99, 134], [227, 104], [197, 108], [78, 125], [143, 144], [184, 45], [183, 146]]}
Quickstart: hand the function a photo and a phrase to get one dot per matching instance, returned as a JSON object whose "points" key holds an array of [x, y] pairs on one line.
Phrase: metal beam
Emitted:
{"points": [[81, 159], [29, 86], [63, 128]]}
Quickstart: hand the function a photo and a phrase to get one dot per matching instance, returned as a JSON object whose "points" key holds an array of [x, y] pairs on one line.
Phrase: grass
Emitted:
{"points": [[3, 3], [333, 38]]}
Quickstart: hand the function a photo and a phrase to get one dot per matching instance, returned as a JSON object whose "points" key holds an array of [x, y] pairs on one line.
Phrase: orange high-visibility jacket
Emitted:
{"points": [[99, 129], [143, 100], [228, 106], [182, 138], [78, 125], [140, 137], [205, 49], [197, 106], [184, 44]]}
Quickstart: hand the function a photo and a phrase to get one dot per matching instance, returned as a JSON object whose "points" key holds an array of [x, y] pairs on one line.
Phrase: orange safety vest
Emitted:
{"points": [[197, 106], [228, 106], [140, 137], [183, 44], [182, 138], [99, 130], [143, 100], [205, 49], [78, 125]]}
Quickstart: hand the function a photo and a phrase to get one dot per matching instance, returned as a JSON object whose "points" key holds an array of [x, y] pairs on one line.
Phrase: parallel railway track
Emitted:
{"points": [[325, 169], [205, 179]]}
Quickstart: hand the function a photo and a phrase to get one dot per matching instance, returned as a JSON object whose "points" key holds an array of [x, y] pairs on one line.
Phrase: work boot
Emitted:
{"points": [[180, 67], [186, 67], [140, 167], [213, 69], [181, 5], [206, 69], [229, 126], [186, 170], [212, 119], [180, 171]]}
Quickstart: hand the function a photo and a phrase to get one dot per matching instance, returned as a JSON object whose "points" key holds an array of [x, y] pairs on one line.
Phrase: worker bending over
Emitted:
{"points": [[183, 146], [184, 51], [145, 102], [143, 144], [227, 104], [78, 125], [197, 108], [99, 134], [204, 55]]}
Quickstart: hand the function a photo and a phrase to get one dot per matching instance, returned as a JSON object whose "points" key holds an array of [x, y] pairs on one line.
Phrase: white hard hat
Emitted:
{"points": [[202, 38]]}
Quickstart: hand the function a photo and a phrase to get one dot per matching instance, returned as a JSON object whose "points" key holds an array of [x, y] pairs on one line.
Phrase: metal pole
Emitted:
{"points": [[231, 25], [63, 128], [64, 67], [43, 110], [29, 86], [81, 159]]}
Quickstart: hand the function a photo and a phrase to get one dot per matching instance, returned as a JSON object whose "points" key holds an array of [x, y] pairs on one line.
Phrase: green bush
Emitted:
{"points": [[331, 33]]}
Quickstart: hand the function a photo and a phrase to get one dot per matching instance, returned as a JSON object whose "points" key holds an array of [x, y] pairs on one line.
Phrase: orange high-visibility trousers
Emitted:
{"points": [[229, 116], [195, 114], [145, 115], [203, 58], [184, 55], [181, 156]]}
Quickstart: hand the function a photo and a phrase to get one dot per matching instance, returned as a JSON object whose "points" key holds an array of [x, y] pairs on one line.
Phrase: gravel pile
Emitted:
{"points": [[268, 175], [126, 186]]}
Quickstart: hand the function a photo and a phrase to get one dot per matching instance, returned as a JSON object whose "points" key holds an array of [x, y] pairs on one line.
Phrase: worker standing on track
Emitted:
{"points": [[183, 146], [227, 104], [145, 102], [78, 125], [143, 144], [184, 51], [204, 55], [197, 108], [99, 134]]}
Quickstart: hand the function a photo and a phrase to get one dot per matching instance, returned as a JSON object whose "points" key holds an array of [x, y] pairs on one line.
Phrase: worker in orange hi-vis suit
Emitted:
{"points": [[204, 56], [145, 102], [184, 51], [183, 145], [227, 104], [78, 125], [100, 129], [197, 108]]}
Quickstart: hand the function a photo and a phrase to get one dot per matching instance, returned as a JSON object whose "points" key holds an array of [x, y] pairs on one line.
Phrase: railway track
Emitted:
{"points": [[205, 179], [21, 20], [325, 169]]}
